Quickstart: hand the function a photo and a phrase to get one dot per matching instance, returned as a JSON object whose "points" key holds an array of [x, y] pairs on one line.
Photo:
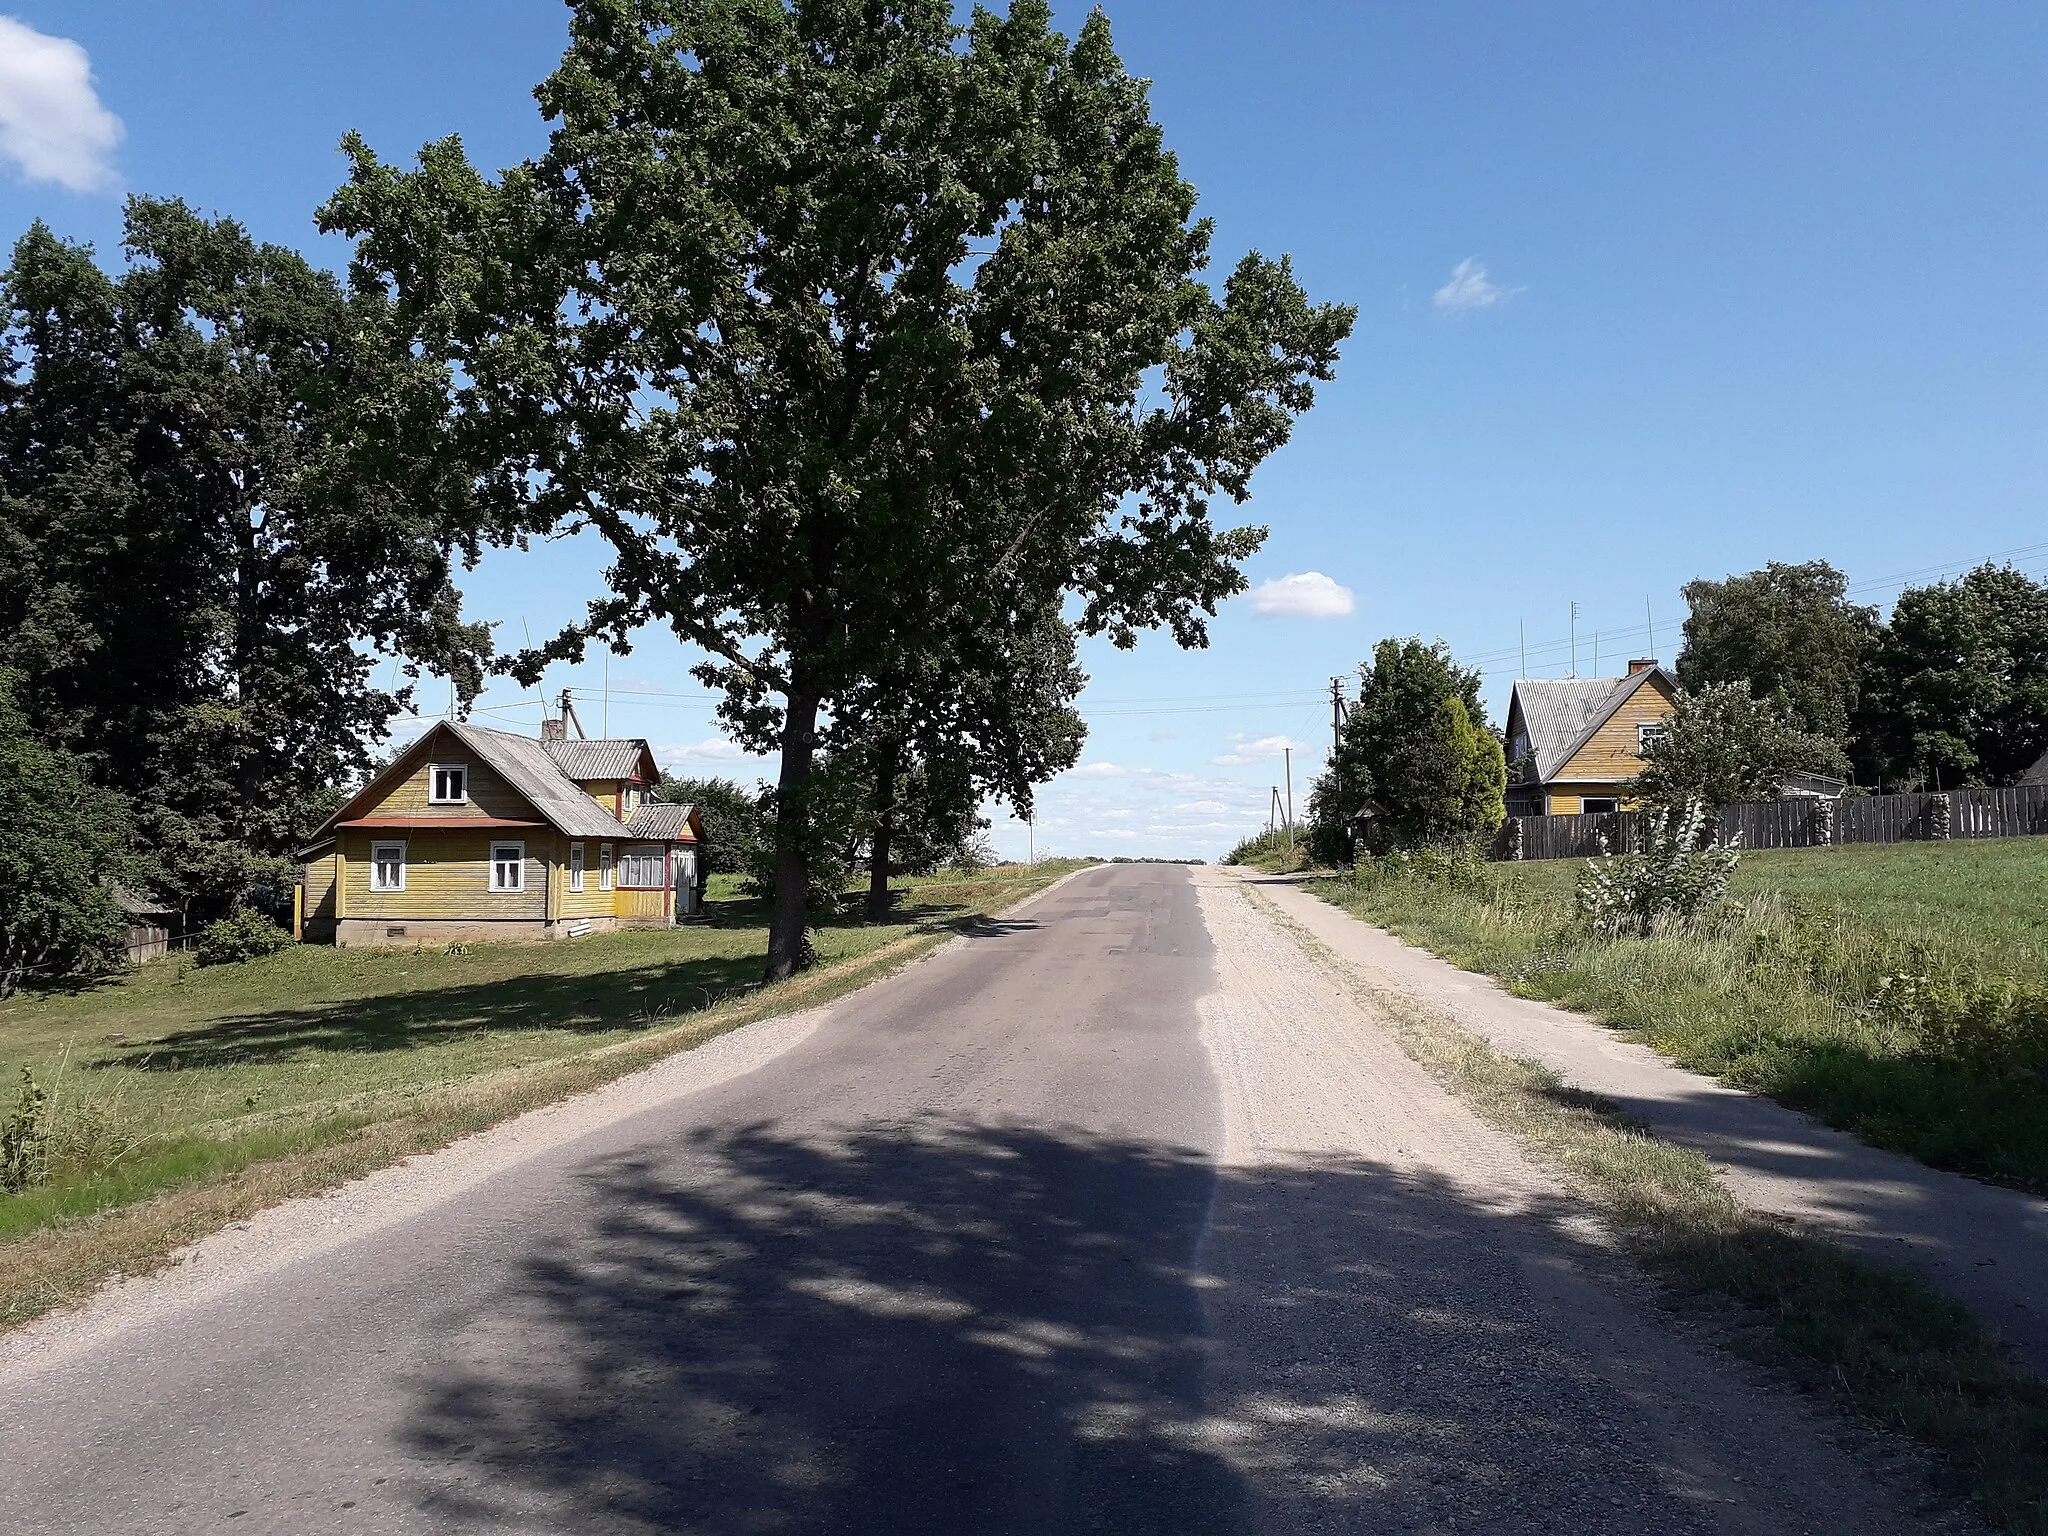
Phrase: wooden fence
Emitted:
{"points": [[1802, 822]]}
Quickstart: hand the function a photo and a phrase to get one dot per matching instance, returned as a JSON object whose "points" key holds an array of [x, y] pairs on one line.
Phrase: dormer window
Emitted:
{"points": [[448, 784]]}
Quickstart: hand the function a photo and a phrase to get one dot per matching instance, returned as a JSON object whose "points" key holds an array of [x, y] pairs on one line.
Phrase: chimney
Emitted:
{"points": [[554, 729], [1641, 664]]}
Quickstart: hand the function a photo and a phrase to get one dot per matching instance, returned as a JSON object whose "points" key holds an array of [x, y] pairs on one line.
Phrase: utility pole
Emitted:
{"points": [[1337, 734], [1287, 756], [1273, 809], [1650, 623], [1522, 629], [1575, 639], [1031, 839], [607, 718]]}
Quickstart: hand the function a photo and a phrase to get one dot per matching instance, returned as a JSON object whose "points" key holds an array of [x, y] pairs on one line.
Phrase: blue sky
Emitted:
{"points": [[1645, 293]]}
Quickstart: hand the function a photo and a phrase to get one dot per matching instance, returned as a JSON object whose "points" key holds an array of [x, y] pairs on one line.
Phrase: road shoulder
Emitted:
{"points": [[1477, 1319]]}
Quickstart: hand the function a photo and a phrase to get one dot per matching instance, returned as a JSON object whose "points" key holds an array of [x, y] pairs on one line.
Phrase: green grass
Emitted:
{"points": [[1897, 992], [1878, 1341], [316, 1064], [1279, 852]]}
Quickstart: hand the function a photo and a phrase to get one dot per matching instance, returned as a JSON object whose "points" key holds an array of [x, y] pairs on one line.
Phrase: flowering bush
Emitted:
{"points": [[1671, 880]]}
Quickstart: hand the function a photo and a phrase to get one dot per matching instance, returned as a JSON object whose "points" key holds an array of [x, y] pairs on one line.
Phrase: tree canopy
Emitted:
{"points": [[857, 333], [62, 844], [1416, 761], [219, 514], [1722, 744], [1790, 633], [1958, 685]]}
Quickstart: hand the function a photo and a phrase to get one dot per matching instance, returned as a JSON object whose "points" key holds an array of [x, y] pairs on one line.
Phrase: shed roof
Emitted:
{"points": [[658, 819], [2038, 774], [1560, 714], [615, 758]]}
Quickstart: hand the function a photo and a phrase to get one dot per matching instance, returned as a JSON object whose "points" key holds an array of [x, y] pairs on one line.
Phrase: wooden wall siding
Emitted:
{"points": [[1611, 754], [643, 903], [447, 874], [489, 795], [320, 875], [590, 901], [606, 793], [1802, 822]]}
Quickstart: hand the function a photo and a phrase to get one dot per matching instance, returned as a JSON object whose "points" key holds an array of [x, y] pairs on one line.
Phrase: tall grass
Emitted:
{"points": [[1900, 994], [1282, 851]]}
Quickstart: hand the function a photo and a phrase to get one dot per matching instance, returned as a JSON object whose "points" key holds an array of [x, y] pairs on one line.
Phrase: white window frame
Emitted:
{"points": [[604, 866], [1648, 731], [636, 854], [434, 772], [576, 866], [377, 866], [519, 868]]}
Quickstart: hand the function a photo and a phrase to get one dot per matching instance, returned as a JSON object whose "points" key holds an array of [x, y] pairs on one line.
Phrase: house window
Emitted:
{"points": [[1647, 732], [508, 866], [1599, 805], [448, 784], [604, 866], [387, 866], [575, 866], [643, 867]]}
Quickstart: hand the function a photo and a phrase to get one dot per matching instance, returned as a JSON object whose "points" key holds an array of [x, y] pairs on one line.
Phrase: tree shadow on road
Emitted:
{"points": [[923, 1328]]}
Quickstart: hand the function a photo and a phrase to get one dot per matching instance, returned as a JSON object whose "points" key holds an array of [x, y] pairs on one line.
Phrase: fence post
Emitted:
{"points": [[1514, 848], [1824, 822]]}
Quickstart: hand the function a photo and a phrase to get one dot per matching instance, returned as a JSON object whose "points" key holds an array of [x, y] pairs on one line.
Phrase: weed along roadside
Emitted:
{"points": [[1877, 1340], [1896, 992], [179, 1099]]}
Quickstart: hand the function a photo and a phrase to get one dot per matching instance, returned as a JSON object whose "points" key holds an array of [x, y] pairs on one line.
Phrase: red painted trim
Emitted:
{"points": [[401, 823]]}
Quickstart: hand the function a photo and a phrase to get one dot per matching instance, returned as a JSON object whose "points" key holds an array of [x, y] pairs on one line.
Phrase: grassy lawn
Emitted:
{"points": [[181, 1097], [1899, 992]]}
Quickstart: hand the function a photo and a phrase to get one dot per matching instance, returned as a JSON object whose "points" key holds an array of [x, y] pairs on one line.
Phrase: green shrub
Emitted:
{"points": [[24, 1139], [244, 934], [1669, 881]]}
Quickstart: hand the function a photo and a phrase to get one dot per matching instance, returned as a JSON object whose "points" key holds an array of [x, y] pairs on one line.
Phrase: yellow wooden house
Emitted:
{"points": [[1574, 743], [480, 834]]}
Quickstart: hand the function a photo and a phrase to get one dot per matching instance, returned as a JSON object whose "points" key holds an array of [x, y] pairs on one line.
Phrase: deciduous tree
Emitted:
{"points": [[1789, 632], [1722, 744], [1415, 752], [1958, 686], [219, 514], [61, 842], [852, 330]]}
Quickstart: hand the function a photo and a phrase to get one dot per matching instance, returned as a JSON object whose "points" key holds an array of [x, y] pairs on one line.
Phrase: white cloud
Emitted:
{"points": [[1303, 595], [1471, 288], [715, 749], [1245, 750], [51, 122]]}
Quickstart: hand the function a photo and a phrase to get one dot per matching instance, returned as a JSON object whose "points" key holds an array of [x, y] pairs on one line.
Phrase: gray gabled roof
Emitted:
{"points": [[587, 760], [658, 819], [1560, 714], [526, 765], [2038, 774]]}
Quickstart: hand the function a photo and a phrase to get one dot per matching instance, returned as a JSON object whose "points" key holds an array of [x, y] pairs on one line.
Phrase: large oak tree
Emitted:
{"points": [[856, 333]]}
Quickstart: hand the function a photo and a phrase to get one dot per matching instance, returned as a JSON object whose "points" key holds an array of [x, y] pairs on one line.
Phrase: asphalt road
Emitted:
{"points": [[975, 1254]]}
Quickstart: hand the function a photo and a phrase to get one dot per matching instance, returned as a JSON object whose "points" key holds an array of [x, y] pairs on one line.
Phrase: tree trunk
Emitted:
{"points": [[788, 907], [885, 832]]}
